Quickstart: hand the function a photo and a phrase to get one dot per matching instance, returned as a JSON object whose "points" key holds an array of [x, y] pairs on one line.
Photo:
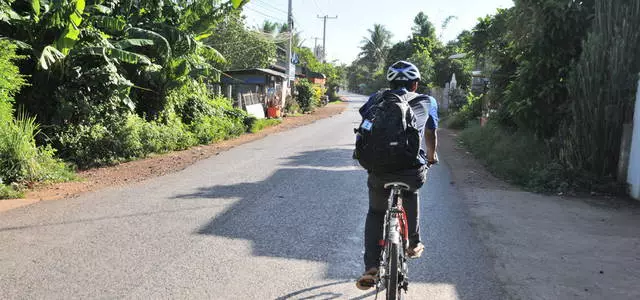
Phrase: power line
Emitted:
{"points": [[268, 10], [318, 6], [265, 14], [266, 3]]}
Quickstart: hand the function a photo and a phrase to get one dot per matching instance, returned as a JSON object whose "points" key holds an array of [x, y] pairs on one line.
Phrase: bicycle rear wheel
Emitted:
{"points": [[393, 276]]}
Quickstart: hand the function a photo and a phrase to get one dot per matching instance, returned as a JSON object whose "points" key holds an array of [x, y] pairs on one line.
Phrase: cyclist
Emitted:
{"points": [[403, 79]]}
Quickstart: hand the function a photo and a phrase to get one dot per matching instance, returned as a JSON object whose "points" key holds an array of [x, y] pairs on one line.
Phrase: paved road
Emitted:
{"points": [[279, 218]]}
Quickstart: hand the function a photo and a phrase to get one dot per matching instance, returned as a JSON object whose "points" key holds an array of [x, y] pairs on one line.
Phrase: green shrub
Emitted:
{"points": [[191, 117], [318, 93], [9, 192], [468, 114], [308, 95], [93, 94], [10, 80], [21, 161], [133, 137], [291, 106], [263, 123], [158, 137], [518, 157]]}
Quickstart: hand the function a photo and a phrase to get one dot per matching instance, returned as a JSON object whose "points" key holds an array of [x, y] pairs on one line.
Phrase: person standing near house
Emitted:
{"points": [[422, 114]]}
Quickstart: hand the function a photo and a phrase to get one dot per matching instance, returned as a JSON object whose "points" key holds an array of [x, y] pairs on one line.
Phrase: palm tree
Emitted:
{"points": [[423, 27], [376, 47]]}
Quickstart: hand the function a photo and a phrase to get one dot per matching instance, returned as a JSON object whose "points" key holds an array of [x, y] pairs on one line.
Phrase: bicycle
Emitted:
{"points": [[393, 269]]}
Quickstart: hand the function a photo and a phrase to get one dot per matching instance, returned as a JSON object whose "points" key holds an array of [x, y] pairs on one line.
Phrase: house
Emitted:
{"points": [[251, 87], [317, 78]]}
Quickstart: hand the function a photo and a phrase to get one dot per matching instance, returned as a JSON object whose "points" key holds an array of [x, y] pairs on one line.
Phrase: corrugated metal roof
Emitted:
{"points": [[457, 56], [266, 71]]}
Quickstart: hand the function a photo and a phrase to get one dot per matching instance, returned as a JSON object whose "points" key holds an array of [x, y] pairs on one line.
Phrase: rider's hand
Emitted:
{"points": [[432, 159]]}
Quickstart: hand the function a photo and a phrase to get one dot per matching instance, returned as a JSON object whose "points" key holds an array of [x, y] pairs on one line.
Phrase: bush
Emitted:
{"points": [[309, 95], [468, 114], [108, 143], [10, 80], [113, 140], [263, 123], [517, 157], [291, 105], [459, 120], [21, 161], [95, 92], [9, 192]]}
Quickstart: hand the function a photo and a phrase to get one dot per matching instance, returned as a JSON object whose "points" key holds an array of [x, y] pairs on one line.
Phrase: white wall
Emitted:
{"points": [[633, 177]]}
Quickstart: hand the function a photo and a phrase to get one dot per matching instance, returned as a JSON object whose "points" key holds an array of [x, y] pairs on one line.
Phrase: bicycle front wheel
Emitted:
{"points": [[393, 285]]}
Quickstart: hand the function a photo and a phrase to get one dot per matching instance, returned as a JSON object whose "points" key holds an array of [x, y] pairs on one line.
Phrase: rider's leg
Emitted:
{"points": [[375, 219], [411, 203]]}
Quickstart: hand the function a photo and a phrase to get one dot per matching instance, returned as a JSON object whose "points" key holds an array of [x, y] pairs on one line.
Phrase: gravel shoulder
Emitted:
{"points": [[548, 247]]}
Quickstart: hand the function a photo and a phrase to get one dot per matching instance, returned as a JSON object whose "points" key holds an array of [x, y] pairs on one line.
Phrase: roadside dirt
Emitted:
{"points": [[157, 165], [466, 170], [549, 247]]}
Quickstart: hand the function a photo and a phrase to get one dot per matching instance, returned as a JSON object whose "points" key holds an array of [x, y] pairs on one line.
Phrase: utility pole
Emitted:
{"points": [[291, 69], [315, 47], [324, 36], [290, 23]]}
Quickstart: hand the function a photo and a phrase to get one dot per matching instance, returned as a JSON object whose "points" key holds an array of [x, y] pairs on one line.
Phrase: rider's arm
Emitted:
{"points": [[431, 138], [430, 133]]}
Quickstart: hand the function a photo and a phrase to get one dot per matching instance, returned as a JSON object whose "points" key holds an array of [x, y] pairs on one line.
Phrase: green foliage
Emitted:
{"points": [[291, 106], [546, 49], [10, 192], [21, 161], [334, 74], [468, 113], [121, 140], [366, 75], [307, 95], [10, 80], [400, 51], [375, 47], [517, 157], [602, 89], [96, 91], [261, 124], [242, 48], [191, 116]]}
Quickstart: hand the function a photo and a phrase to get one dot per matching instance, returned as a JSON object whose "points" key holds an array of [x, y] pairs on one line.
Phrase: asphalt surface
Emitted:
{"points": [[278, 218]]}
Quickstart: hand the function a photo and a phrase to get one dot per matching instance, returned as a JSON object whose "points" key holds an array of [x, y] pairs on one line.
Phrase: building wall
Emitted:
{"points": [[633, 174]]}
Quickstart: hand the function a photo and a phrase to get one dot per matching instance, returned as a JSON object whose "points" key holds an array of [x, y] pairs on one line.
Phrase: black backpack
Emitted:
{"points": [[388, 139]]}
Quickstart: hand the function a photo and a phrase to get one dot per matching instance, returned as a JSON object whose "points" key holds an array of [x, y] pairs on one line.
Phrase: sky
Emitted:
{"points": [[345, 33]]}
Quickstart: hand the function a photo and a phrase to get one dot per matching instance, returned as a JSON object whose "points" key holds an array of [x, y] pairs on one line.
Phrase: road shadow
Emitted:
{"points": [[313, 208]]}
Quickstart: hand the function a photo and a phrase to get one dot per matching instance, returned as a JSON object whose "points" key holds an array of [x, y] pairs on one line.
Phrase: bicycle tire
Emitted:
{"points": [[393, 288]]}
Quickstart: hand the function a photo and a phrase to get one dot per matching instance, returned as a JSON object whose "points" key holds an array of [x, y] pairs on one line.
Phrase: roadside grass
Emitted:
{"points": [[8, 192], [261, 124], [520, 158], [516, 157]]}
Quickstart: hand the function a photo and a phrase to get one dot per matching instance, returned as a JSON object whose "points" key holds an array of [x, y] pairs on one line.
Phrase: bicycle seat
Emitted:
{"points": [[401, 185]]}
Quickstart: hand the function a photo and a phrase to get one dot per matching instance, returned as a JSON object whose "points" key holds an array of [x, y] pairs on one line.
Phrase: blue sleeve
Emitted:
{"points": [[432, 122]]}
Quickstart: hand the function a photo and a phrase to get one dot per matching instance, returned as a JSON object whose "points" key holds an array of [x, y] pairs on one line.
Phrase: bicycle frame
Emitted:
{"points": [[395, 234]]}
